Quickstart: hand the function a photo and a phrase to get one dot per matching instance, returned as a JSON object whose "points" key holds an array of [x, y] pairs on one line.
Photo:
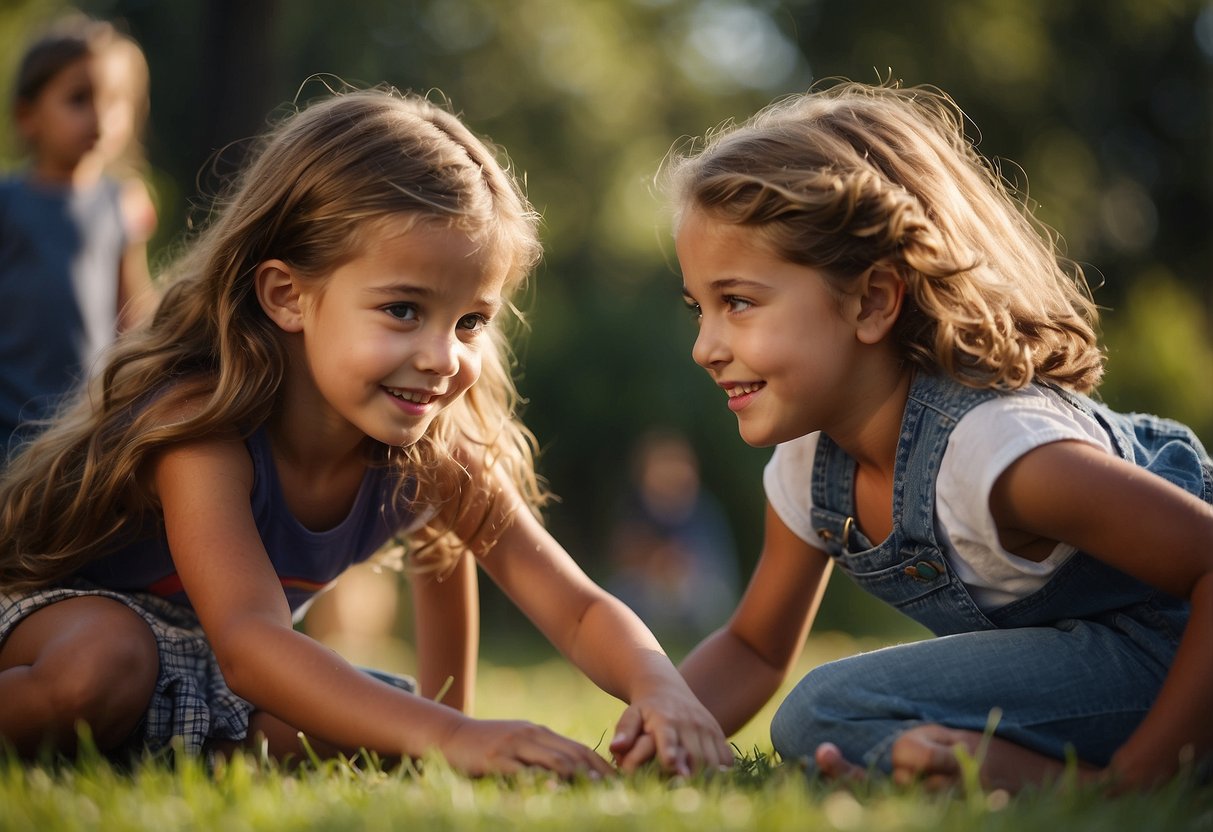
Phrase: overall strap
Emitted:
{"points": [[933, 407], [907, 570]]}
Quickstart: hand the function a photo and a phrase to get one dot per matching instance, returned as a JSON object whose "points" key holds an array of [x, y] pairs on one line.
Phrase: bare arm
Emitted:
{"points": [[204, 491], [737, 669], [137, 295], [604, 638], [1148, 528], [447, 618]]}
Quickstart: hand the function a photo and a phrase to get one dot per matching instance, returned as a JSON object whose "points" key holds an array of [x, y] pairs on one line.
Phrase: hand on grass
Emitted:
{"points": [[480, 746], [677, 730]]}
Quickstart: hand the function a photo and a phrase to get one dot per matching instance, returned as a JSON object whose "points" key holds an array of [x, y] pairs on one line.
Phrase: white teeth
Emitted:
{"points": [[410, 396], [741, 389]]}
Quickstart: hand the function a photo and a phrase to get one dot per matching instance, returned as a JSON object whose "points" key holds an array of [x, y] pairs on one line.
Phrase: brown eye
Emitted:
{"points": [[401, 311], [473, 323]]}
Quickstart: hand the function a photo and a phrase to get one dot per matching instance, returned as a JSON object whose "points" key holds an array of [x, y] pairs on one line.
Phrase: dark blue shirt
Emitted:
{"points": [[60, 261], [306, 561]]}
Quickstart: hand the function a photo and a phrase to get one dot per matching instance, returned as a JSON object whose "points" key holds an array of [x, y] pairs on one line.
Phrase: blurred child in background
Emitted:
{"points": [[73, 268], [671, 551]]}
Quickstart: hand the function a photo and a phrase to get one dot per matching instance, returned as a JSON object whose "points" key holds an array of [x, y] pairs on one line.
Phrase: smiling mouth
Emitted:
{"points": [[744, 389], [413, 396]]}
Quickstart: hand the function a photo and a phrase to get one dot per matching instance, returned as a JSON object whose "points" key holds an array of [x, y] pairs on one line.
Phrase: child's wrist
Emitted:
{"points": [[445, 727], [654, 681]]}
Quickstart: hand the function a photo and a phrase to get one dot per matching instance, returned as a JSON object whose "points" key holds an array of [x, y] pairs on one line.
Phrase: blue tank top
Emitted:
{"points": [[306, 561], [60, 260]]}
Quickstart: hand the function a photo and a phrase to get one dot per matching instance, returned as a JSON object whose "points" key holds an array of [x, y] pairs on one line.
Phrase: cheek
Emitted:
{"points": [[470, 368], [366, 345]]}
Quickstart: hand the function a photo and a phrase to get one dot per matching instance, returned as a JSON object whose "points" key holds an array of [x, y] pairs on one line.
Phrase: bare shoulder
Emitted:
{"points": [[201, 464]]}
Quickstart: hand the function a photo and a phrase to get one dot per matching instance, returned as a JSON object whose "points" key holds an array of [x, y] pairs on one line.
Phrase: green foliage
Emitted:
{"points": [[1160, 351], [248, 793]]}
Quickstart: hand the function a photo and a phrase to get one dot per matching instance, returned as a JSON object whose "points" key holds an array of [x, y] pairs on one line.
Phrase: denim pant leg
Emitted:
{"points": [[1079, 683]]}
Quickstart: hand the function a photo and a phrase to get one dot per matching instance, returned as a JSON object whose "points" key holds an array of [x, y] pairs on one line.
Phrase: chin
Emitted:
{"points": [[757, 439]]}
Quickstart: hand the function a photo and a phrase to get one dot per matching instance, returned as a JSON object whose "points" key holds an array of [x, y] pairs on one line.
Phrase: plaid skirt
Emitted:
{"points": [[191, 700]]}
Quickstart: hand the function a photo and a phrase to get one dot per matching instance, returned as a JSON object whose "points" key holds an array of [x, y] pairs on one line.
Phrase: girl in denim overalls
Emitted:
{"points": [[875, 304]]}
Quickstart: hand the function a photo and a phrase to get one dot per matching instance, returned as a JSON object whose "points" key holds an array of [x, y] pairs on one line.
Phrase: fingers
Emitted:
{"points": [[707, 748], [507, 747], [682, 735], [692, 749], [671, 755], [629, 727], [642, 750], [563, 756]]}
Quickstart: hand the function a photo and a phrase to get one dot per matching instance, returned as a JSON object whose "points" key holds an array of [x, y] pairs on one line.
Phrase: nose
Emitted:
{"points": [[710, 350], [439, 353]]}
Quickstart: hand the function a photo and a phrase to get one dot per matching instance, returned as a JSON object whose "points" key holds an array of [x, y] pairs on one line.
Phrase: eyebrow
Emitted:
{"points": [[400, 289], [397, 289], [727, 283]]}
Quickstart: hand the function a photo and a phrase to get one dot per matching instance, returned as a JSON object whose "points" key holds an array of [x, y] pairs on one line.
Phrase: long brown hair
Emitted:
{"points": [[851, 177], [210, 362]]}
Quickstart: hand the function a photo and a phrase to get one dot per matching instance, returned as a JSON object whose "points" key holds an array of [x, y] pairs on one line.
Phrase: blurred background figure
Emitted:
{"points": [[672, 555], [73, 257], [123, 107]]}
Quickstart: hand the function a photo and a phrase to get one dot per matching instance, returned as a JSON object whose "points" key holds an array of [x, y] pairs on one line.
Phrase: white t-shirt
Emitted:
{"points": [[983, 444]]}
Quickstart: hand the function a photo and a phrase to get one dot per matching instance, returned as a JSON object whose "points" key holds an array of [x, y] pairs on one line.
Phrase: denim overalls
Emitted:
{"points": [[1076, 663]]}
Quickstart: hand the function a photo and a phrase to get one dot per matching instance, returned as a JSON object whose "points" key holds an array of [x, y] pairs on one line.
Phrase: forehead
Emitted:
{"points": [[707, 245], [406, 248], [75, 78], [81, 70]]}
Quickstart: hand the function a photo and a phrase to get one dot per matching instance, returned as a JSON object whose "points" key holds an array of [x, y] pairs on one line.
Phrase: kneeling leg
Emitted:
{"points": [[89, 659]]}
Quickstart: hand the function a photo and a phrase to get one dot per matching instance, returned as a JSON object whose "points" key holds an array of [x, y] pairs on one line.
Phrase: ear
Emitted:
{"points": [[278, 294], [881, 294]]}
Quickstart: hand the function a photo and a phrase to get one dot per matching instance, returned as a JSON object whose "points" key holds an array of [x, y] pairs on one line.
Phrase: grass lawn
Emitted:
{"points": [[246, 794]]}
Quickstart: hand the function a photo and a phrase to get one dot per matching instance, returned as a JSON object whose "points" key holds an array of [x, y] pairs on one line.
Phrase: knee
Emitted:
{"points": [[108, 687], [815, 711]]}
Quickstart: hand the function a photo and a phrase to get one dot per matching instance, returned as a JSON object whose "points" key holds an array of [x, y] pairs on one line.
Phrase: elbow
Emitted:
{"points": [[240, 655], [235, 670], [774, 661], [1201, 590]]}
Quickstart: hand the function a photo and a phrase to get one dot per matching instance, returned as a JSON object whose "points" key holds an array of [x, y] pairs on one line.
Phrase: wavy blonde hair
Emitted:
{"points": [[210, 352], [851, 177]]}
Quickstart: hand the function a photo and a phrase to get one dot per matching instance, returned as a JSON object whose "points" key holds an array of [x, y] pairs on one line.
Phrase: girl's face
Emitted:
{"points": [[396, 334], [117, 102], [60, 124], [772, 334]]}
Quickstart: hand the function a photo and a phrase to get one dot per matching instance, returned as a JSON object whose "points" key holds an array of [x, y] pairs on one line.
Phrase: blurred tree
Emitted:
{"points": [[1106, 104]]}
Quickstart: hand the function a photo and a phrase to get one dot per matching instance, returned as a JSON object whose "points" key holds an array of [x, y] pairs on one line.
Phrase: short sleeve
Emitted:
{"points": [[787, 480], [982, 446]]}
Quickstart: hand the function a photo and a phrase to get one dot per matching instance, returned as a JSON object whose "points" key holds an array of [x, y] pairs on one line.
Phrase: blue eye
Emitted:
{"points": [[401, 311]]}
